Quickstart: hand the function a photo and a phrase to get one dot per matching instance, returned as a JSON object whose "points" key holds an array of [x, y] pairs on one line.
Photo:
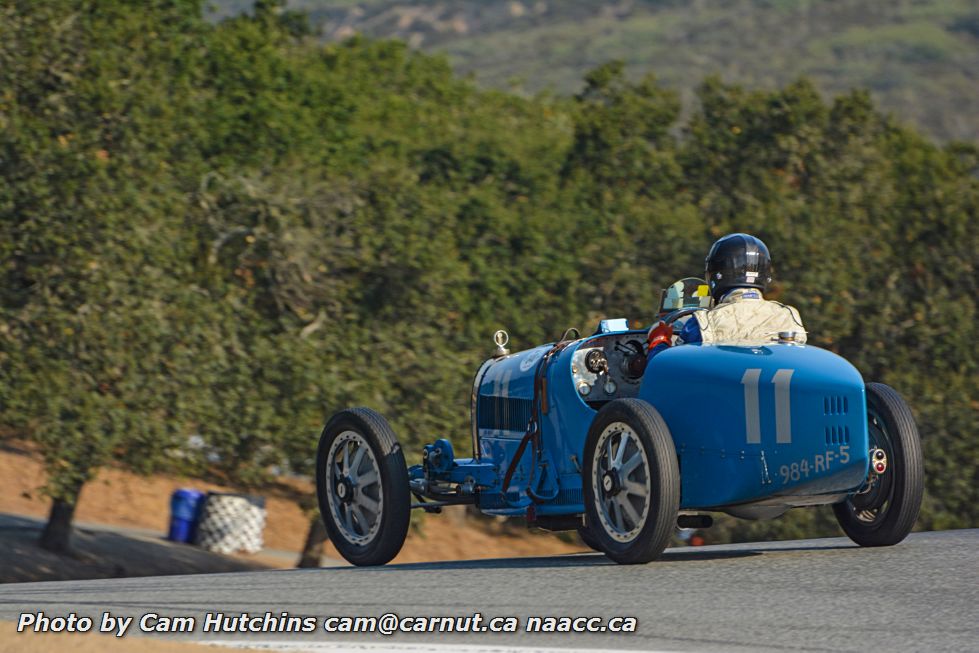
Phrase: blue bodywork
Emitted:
{"points": [[773, 426]]}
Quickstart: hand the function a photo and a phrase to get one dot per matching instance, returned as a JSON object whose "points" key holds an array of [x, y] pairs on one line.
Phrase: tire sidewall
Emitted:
{"points": [[589, 539], [906, 465], [664, 477], [395, 514]]}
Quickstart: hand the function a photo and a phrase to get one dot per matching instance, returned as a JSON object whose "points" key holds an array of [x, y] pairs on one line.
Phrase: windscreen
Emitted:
{"points": [[690, 292]]}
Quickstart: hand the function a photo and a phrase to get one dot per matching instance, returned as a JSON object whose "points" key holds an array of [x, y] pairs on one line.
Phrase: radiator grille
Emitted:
{"points": [[503, 413]]}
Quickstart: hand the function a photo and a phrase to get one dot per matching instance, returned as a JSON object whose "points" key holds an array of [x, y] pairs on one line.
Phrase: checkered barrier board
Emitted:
{"points": [[230, 523]]}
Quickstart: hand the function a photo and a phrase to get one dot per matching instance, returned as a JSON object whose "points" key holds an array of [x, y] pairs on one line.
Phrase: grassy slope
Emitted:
{"points": [[920, 58]]}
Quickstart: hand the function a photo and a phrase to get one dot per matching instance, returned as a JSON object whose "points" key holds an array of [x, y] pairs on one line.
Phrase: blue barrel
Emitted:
{"points": [[185, 506]]}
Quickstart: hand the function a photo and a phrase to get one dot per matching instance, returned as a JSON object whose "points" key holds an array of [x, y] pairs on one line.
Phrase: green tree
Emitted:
{"points": [[83, 214], [227, 230]]}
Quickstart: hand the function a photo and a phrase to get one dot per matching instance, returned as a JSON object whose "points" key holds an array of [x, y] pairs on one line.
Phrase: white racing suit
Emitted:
{"points": [[743, 317]]}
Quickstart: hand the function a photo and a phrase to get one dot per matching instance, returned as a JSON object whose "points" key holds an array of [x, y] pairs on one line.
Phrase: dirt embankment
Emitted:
{"points": [[13, 642], [119, 498]]}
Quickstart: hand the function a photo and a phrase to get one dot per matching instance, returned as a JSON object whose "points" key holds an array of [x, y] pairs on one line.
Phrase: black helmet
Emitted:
{"points": [[738, 261]]}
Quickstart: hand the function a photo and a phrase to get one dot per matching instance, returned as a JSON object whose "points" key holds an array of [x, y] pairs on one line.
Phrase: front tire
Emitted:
{"points": [[631, 483], [884, 513], [362, 487]]}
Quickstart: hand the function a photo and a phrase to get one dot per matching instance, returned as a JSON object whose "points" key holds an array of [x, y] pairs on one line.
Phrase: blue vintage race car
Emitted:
{"points": [[595, 434]]}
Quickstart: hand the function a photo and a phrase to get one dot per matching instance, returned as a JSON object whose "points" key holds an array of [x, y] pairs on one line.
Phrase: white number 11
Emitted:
{"points": [[752, 410]]}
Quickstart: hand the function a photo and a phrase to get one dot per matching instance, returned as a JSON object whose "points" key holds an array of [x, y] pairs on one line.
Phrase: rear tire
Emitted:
{"points": [[362, 487], [885, 513], [588, 539], [631, 482]]}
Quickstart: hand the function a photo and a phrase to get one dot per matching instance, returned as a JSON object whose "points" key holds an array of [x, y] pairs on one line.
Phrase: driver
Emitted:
{"points": [[739, 269]]}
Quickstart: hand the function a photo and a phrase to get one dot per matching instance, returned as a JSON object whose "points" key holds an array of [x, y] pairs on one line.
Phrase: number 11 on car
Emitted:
{"points": [[752, 411]]}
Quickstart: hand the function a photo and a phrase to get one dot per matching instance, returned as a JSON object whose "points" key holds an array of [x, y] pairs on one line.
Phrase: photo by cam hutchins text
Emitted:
{"points": [[151, 622]]}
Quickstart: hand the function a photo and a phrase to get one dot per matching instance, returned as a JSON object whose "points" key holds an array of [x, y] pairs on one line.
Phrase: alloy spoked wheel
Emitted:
{"points": [[622, 479], [631, 482], [356, 497], [362, 487], [883, 512]]}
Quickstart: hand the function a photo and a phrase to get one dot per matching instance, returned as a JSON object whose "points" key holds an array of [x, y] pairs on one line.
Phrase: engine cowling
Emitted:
{"points": [[503, 394]]}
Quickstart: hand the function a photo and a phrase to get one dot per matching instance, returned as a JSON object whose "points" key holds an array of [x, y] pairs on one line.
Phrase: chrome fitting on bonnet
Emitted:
{"points": [[501, 338], [787, 337]]}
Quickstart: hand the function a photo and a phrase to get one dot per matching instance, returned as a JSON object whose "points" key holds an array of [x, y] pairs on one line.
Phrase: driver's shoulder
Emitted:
{"points": [[751, 306]]}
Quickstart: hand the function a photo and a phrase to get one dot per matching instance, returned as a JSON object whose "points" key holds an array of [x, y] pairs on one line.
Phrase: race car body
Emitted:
{"points": [[623, 441], [749, 424]]}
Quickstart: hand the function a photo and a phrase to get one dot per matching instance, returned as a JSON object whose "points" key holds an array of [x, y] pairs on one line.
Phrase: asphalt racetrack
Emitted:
{"points": [[812, 595]]}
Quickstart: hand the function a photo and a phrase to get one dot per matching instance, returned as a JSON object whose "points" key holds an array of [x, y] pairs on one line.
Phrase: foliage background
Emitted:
{"points": [[918, 58], [214, 234]]}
